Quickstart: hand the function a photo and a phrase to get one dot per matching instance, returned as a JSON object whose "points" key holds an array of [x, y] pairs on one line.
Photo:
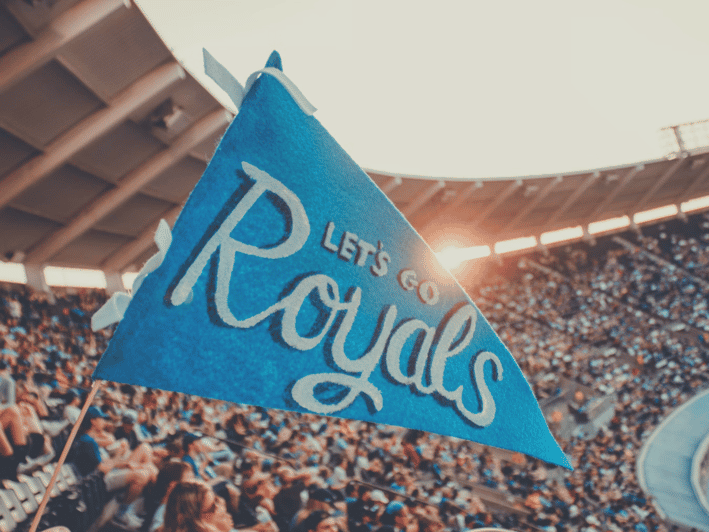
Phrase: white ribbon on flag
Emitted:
{"points": [[113, 310], [229, 84]]}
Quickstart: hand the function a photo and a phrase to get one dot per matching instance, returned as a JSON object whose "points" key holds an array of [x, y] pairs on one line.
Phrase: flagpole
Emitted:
{"points": [[45, 499]]}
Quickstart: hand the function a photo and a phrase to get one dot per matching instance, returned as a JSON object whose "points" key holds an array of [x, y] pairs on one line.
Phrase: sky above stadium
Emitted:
{"points": [[468, 88]]}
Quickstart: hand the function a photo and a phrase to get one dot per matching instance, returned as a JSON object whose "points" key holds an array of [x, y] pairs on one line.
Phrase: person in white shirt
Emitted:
{"points": [[73, 408]]}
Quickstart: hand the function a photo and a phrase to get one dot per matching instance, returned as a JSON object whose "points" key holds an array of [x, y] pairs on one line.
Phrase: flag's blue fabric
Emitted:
{"points": [[293, 282]]}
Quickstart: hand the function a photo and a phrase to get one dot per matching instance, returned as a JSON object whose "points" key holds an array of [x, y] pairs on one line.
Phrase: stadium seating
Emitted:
{"points": [[611, 338]]}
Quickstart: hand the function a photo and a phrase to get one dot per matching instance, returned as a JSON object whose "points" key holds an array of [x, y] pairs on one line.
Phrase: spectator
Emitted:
{"points": [[395, 518], [117, 472], [192, 506], [127, 429], [193, 455], [320, 500], [288, 500], [172, 473], [320, 521], [72, 410], [11, 453], [606, 321]]}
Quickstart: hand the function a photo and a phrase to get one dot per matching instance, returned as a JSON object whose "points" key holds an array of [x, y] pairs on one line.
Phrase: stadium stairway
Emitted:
{"points": [[664, 465]]}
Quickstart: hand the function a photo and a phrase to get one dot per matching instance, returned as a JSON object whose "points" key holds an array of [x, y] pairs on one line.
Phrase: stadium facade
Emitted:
{"points": [[103, 133]]}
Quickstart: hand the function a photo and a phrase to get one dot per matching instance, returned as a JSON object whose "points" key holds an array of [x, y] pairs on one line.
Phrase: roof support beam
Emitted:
{"points": [[454, 205], [26, 58], [672, 170], [576, 194], [82, 134], [530, 206], [123, 256], [390, 185], [461, 198], [128, 186], [695, 184], [494, 204], [422, 198], [613, 193]]}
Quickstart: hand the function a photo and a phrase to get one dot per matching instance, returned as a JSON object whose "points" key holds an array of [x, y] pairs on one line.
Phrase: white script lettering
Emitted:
{"points": [[222, 237], [454, 334]]}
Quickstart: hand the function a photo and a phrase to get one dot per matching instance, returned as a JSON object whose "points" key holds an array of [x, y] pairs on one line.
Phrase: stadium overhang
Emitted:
{"points": [[484, 212], [103, 133]]}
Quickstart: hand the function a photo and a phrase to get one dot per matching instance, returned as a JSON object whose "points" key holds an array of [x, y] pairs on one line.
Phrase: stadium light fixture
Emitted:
{"points": [[515, 244], [11, 272], [666, 211], [452, 257], [74, 277], [695, 204], [610, 224], [561, 235]]}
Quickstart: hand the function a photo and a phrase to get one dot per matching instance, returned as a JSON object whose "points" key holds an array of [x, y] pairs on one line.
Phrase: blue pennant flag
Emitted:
{"points": [[292, 282]]}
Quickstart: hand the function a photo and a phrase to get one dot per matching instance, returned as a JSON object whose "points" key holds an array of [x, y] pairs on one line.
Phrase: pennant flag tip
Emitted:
{"points": [[274, 61], [557, 455]]}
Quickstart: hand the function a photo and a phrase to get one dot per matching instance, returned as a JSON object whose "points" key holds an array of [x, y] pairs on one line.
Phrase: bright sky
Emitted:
{"points": [[468, 88]]}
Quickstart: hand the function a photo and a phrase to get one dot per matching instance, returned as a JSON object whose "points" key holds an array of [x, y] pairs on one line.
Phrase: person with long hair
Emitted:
{"points": [[170, 475], [192, 506]]}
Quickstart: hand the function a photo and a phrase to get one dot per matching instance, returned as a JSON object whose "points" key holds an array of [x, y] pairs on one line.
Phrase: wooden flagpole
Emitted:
{"points": [[45, 499]]}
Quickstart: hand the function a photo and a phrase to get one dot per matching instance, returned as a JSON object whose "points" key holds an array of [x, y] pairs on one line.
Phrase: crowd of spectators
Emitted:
{"points": [[601, 316]]}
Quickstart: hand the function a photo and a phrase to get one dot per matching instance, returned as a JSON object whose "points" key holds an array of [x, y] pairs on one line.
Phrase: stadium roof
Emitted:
{"points": [[103, 133]]}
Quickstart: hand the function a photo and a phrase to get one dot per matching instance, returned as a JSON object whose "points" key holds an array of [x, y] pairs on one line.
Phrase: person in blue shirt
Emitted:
{"points": [[395, 518], [194, 455], [118, 473]]}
